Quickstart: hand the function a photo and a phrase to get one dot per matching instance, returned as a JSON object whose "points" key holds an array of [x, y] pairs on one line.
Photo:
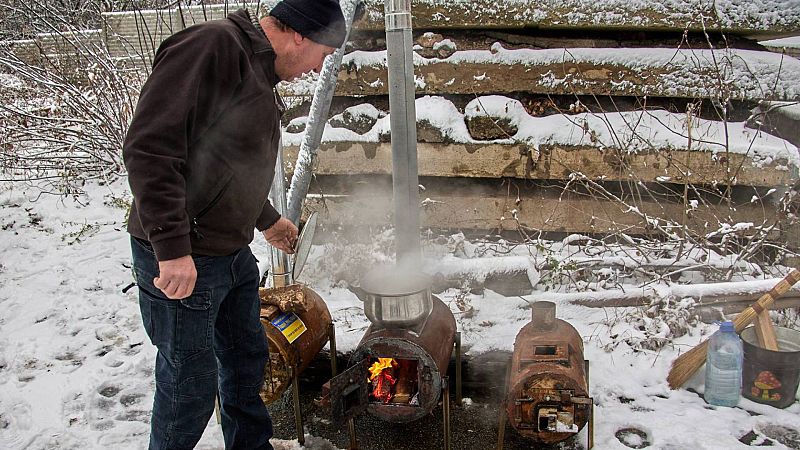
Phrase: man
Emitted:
{"points": [[200, 154]]}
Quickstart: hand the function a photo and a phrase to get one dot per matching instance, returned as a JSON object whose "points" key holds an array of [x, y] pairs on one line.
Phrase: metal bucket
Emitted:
{"points": [[771, 377], [395, 298]]}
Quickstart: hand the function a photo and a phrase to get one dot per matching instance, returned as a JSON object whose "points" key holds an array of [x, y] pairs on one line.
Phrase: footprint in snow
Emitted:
{"points": [[15, 421], [103, 425], [109, 390], [70, 359], [633, 437]]}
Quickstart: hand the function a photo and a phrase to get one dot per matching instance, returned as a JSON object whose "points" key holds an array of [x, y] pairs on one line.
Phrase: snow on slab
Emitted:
{"points": [[763, 14], [747, 73], [734, 14], [789, 42], [365, 110], [635, 131]]}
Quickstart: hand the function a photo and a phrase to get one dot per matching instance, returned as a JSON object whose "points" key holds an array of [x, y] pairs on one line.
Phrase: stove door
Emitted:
{"points": [[349, 394]]}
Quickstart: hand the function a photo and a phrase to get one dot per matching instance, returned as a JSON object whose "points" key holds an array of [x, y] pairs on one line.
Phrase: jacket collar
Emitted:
{"points": [[261, 46]]}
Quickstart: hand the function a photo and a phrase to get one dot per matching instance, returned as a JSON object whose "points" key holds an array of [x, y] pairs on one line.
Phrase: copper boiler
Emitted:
{"points": [[547, 397], [297, 325]]}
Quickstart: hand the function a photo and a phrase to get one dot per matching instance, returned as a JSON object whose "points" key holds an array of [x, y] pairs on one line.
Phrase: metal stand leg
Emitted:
{"points": [[351, 429], [332, 341], [458, 369], [298, 414], [590, 425], [216, 409], [501, 427], [446, 412]]}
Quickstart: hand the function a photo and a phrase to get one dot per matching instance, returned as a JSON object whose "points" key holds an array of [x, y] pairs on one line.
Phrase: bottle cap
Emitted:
{"points": [[727, 326]]}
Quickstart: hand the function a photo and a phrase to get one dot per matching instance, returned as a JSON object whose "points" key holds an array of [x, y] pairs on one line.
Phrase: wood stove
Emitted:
{"points": [[398, 372], [547, 396]]}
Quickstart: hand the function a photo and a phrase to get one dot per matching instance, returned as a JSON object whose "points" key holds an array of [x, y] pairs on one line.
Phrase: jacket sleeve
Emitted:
{"points": [[269, 215], [195, 75]]}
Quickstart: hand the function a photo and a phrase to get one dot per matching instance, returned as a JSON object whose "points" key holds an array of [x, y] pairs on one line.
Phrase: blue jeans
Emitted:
{"points": [[211, 342]]}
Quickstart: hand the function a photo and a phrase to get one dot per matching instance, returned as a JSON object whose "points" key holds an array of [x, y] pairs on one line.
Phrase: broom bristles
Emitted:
{"points": [[686, 365]]}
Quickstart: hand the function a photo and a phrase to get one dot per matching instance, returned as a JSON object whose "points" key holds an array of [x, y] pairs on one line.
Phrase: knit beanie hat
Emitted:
{"points": [[321, 21]]}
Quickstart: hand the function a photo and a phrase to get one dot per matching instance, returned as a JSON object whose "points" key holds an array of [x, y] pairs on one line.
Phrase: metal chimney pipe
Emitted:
{"points": [[281, 272], [317, 118], [543, 316], [403, 122]]}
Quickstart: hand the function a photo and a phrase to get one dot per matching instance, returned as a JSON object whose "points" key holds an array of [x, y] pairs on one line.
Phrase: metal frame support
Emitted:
{"points": [[351, 429], [298, 414], [501, 427], [590, 425], [446, 412], [332, 342], [458, 368]]}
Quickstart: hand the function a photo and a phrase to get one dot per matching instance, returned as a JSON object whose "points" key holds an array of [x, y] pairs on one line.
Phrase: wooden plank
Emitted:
{"points": [[733, 17], [765, 331], [552, 162], [458, 203], [586, 71]]}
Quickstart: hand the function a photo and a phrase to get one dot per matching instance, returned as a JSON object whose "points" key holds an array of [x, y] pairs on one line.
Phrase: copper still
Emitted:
{"points": [[547, 396], [422, 364], [398, 372]]}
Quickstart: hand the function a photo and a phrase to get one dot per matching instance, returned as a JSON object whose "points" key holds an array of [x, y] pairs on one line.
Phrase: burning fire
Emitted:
{"points": [[382, 377]]}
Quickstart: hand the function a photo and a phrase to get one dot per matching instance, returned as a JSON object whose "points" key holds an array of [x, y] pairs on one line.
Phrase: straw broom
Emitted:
{"points": [[687, 364]]}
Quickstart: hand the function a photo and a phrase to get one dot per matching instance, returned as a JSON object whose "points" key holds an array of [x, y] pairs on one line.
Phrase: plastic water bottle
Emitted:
{"points": [[724, 367]]}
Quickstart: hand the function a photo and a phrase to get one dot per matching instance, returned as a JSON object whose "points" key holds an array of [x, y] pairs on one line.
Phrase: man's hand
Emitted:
{"points": [[282, 235], [176, 277]]}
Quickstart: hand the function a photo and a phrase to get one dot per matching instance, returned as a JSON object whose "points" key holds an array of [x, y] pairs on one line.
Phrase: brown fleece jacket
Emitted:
{"points": [[201, 148]]}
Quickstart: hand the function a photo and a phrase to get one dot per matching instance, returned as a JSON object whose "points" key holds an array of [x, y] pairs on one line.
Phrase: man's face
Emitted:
{"points": [[307, 56]]}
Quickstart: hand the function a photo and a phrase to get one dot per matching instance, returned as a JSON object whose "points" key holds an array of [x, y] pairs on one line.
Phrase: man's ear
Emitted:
{"points": [[298, 38]]}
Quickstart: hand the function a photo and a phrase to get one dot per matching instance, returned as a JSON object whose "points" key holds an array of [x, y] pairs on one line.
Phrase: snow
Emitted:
{"points": [[365, 110], [789, 42], [747, 73], [635, 131], [761, 14], [76, 366]]}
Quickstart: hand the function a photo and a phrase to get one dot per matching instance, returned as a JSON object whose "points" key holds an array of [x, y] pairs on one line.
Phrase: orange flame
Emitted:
{"points": [[379, 366]]}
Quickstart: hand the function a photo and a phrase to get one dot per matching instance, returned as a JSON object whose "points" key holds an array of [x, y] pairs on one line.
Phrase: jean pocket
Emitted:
{"points": [[194, 323], [178, 328], [158, 318]]}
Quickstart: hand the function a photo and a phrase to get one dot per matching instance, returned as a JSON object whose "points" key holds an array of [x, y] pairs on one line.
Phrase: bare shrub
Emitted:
{"points": [[65, 108]]}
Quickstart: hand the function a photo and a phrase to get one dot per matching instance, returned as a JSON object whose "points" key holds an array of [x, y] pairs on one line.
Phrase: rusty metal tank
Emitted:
{"points": [[297, 324], [547, 388], [429, 347]]}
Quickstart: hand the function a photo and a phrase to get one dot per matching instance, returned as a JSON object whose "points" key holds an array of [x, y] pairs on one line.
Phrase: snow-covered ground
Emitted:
{"points": [[76, 366]]}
